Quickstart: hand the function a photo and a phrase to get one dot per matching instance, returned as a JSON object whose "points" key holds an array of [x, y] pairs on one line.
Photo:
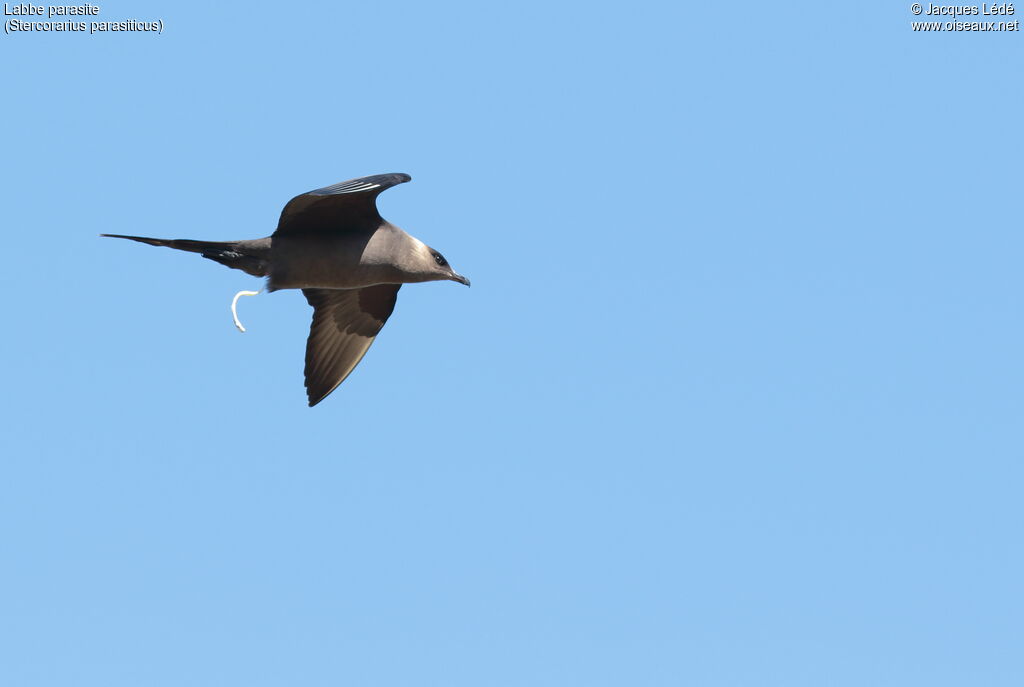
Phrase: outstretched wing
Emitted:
{"points": [[345, 323], [350, 205]]}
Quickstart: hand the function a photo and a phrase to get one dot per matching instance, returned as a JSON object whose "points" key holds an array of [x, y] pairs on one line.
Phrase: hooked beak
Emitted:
{"points": [[459, 278]]}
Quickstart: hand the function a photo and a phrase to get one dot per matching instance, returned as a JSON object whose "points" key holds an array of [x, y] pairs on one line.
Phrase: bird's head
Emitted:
{"points": [[415, 260], [443, 270]]}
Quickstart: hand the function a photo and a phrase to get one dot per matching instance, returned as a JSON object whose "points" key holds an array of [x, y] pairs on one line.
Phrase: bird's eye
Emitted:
{"points": [[439, 259]]}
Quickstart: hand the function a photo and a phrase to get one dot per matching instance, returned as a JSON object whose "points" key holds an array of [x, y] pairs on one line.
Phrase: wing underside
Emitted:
{"points": [[345, 323]]}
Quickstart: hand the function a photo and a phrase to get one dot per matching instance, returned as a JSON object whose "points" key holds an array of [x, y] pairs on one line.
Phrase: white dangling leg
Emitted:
{"points": [[234, 306]]}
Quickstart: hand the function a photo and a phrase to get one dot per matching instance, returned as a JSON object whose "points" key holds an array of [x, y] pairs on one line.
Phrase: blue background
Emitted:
{"points": [[735, 397]]}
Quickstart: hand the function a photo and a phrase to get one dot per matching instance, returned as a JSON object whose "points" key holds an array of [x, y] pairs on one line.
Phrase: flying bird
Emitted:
{"points": [[349, 262]]}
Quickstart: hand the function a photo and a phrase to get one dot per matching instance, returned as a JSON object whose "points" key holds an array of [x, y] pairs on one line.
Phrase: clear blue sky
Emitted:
{"points": [[735, 398]]}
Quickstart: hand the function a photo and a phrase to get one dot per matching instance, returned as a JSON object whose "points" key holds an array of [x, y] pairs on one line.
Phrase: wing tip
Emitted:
{"points": [[375, 182], [314, 397]]}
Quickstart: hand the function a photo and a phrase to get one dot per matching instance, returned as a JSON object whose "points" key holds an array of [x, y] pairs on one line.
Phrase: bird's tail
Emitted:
{"points": [[252, 257]]}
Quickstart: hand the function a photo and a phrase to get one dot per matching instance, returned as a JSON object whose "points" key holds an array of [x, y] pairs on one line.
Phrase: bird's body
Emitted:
{"points": [[385, 255], [348, 261]]}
